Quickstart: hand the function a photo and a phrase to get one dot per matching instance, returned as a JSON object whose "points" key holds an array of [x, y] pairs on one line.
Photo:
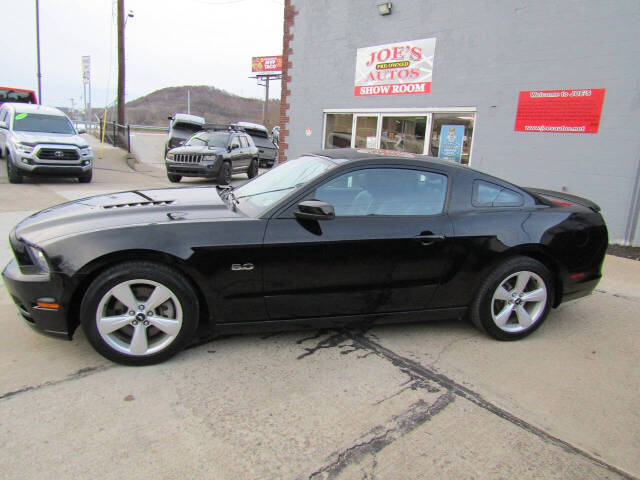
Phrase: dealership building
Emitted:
{"points": [[540, 93]]}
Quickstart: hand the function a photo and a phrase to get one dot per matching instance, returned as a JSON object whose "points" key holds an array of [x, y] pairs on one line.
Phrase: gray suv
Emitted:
{"points": [[214, 153], [38, 140]]}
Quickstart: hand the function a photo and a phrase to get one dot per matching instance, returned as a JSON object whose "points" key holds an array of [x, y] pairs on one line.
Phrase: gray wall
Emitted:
{"points": [[487, 52]]}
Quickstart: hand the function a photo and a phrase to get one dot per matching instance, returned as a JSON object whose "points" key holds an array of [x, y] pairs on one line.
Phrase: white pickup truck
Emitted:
{"points": [[39, 140]]}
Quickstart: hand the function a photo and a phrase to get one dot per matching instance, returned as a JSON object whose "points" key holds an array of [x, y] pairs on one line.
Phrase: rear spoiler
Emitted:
{"points": [[561, 198]]}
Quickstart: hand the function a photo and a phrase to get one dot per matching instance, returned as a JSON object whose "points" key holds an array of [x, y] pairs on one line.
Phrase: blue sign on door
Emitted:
{"points": [[451, 138]]}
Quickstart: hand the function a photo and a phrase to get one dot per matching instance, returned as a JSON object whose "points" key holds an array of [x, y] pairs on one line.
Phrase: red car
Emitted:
{"points": [[19, 95]]}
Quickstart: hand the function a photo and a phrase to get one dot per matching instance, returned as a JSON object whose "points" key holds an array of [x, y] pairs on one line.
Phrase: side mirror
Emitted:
{"points": [[315, 210], [169, 118], [4, 125], [81, 130], [232, 147]]}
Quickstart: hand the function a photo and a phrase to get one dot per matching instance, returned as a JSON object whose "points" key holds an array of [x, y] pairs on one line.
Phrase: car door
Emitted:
{"points": [[385, 250], [246, 151], [236, 155]]}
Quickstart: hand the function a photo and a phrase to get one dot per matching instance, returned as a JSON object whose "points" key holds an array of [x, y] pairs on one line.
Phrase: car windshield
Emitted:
{"points": [[37, 122], [267, 189], [209, 139]]}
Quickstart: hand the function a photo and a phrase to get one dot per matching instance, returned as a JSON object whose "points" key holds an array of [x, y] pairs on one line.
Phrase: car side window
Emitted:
{"points": [[234, 141], [243, 142], [385, 191], [487, 194]]}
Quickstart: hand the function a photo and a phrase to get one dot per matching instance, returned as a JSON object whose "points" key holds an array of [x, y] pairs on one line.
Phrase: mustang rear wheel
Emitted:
{"points": [[139, 313], [514, 299]]}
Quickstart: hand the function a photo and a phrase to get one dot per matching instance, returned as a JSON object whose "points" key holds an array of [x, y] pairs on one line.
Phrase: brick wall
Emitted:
{"points": [[289, 15]]}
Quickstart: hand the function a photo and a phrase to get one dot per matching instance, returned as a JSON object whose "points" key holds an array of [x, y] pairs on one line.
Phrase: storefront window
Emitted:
{"points": [[451, 136], [405, 134], [366, 132], [338, 130]]}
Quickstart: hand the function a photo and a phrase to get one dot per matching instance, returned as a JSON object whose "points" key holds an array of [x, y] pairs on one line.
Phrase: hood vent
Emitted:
{"points": [[139, 204]]}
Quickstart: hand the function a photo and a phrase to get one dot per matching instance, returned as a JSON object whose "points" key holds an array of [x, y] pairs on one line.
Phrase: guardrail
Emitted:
{"points": [[116, 134]]}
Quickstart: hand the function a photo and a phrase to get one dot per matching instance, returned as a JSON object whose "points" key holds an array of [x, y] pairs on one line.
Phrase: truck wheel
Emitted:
{"points": [[12, 172], [173, 178], [86, 178]]}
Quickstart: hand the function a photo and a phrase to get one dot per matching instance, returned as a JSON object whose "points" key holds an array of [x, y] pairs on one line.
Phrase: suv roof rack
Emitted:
{"points": [[222, 126]]}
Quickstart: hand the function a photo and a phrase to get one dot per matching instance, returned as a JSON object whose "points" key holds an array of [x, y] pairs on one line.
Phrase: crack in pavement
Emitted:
{"points": [[454, 388], [82, 373], [399, 425]]}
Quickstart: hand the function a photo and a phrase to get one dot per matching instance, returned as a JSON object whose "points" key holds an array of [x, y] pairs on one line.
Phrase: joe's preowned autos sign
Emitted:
{"points": [[403, 68]]}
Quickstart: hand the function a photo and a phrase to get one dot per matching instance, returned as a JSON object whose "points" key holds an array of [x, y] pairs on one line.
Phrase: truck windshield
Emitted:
{"points": [[37, 122]]}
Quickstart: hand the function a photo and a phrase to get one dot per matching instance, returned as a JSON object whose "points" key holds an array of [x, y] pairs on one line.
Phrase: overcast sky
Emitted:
{"points": [[168, 43]]}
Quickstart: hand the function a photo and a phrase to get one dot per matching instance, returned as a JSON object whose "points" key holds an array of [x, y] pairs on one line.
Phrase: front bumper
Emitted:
{"points": [[31, 164], [206, 170], [54, 170], [26, 289]]}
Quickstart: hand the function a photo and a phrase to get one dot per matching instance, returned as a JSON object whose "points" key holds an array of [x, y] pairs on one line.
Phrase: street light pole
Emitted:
{"points": [[38, 51]]}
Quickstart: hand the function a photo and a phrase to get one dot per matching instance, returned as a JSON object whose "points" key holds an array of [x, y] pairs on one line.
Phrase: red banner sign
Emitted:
{"points": [[266, 64], [560, 111]]}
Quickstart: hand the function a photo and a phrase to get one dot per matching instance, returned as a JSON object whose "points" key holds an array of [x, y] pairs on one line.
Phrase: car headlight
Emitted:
{"points": [[209, 157], [39, 258], [24, 148], [169, 156], [85, 151]]}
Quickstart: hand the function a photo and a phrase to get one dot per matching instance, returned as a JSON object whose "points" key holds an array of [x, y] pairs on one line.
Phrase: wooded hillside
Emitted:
{"points": [[216, 106]]}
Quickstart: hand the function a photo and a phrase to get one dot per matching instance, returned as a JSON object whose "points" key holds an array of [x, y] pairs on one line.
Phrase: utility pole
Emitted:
{"points": [[38, 50], [121, 115], [265, 113], [188, 101]]}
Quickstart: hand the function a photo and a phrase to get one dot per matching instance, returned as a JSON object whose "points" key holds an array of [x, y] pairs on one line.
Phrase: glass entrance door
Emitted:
{"points": [[366, 131]]}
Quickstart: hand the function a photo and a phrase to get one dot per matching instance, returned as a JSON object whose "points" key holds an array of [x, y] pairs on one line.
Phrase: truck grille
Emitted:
{"points": [[182, 158], [58, 154]]}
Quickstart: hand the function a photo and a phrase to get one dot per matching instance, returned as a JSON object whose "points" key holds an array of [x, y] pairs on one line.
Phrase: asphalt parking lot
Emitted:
{"points": [[433, 400]]}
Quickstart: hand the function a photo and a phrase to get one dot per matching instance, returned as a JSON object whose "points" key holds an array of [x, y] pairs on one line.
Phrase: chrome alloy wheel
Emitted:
{"points": [[519, 301], [139, 317]]}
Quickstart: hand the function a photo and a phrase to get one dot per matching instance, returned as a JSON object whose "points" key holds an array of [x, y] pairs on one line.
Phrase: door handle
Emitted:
{"points": [[430, 238]]}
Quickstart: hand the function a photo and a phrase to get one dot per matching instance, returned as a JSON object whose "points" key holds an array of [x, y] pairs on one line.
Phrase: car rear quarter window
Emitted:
{"points": [[486, 194], [385, 191]]}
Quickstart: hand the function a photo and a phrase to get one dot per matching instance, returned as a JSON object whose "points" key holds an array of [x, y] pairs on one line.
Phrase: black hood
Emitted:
{"points": [[135, 207]]}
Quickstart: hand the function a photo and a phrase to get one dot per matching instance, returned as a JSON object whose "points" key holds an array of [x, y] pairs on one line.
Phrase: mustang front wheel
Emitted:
{"points": [[514, 299], [139, 313]]}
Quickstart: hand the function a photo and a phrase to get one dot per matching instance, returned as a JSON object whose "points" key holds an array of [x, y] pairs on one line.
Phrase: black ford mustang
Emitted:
{"points": [[332, 238]]}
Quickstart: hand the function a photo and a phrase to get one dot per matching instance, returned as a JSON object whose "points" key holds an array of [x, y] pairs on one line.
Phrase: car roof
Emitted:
{"points": [[31, 108], [354, 154]]}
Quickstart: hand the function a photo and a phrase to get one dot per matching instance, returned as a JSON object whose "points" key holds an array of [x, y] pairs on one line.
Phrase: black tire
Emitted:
{"points": [[12, 172], [173, 178], [253, 169], [224, 176], [86, 178], [178, 314], [502, 319]]}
